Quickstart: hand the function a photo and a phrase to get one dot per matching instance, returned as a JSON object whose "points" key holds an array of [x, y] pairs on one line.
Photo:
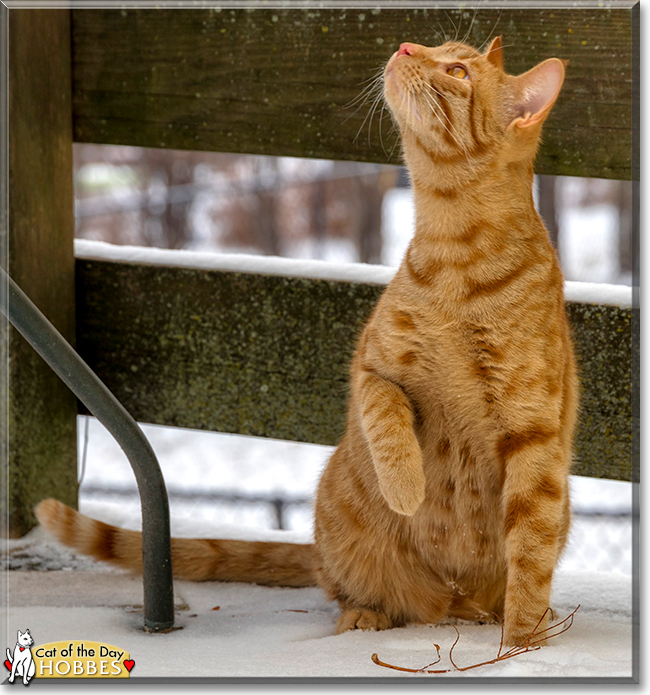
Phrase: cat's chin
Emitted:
{"points": [[393, 91]]}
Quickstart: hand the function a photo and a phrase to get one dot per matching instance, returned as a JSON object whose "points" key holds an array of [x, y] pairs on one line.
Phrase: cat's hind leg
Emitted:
{"points": [[361, 619]]}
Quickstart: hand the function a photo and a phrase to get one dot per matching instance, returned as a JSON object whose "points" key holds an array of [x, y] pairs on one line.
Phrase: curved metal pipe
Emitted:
{"points": [[84, 383]]}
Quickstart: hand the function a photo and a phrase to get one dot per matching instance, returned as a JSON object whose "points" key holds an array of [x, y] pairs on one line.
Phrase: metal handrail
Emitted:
{"points": [[84, 383]]}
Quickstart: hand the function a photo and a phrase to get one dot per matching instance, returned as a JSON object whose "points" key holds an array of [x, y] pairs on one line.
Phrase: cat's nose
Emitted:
{"points": [[406, 49]]}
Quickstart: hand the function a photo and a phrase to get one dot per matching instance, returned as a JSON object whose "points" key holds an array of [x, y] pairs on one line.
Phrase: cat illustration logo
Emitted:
{"points": [[67, 659], [21, 662]]}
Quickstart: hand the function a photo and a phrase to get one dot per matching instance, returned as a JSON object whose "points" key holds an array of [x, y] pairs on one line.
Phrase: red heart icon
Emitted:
{"points": [[129, 664], [8, 664]]}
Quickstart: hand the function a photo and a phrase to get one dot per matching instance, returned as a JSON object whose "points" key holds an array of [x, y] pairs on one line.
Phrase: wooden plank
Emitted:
{"points": [[268, 356], [42, 442], [277, 81]]}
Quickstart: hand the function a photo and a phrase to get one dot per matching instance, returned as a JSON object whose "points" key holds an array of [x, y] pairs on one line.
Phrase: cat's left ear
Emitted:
{"points": [[494, 53], [536, 92]]}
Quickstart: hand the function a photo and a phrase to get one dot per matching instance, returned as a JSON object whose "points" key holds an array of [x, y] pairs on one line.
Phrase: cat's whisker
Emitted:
{"points": [[376, 72], [376, 84], [373, 82], [469, 31], [491, 31], [444, 33], [369, 116], [440, 37], [373, 92], [378, 100], [434, 109], [457, 28], [506, 45], [410, 106], [381, 118], [370, 98], [414, 109], [390, 156]]}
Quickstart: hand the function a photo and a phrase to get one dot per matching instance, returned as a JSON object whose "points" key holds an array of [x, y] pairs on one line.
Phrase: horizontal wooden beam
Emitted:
{"points": [[277, 81], [268, 355]]}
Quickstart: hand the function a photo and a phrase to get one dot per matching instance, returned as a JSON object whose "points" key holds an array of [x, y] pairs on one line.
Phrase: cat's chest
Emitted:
{"points": [[429, 351]]}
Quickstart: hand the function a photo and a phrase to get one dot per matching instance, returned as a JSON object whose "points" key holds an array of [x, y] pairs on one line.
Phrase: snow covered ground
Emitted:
{"points": [[239, 630]]}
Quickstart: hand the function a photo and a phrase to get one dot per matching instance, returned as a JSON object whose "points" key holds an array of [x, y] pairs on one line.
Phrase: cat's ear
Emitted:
{"points": [[20, 634], [494, 53], [536, 92]]}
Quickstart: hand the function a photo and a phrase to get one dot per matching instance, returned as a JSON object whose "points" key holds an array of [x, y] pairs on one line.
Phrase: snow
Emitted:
{"points": [[591, 250], [235, 262], [590, 293], [598, 293], [398, 225]]}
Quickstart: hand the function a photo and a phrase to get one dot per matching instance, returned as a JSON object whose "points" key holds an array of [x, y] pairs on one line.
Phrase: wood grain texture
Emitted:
{"points": [[42, 442], [277, 81], [268, 356]]}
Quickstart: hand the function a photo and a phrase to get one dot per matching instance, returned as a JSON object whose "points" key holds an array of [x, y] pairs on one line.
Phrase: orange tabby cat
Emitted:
{"points": [[448, 494]]}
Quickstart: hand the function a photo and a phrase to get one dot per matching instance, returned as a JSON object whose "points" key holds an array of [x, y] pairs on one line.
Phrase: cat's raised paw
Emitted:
{"points": [[406, 495], [361, 619]]}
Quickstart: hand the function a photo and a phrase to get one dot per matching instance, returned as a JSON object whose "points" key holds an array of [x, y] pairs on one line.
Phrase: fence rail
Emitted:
{"points": [[268, 355], [277, 81]]}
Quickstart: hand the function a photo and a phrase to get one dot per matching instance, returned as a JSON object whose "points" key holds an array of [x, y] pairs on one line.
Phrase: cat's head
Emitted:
{"points": [[25, 639], [458, 111]]}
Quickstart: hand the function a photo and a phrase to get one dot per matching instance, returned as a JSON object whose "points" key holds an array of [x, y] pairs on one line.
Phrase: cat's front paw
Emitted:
{"points": [[523, 639], [533, 635]]}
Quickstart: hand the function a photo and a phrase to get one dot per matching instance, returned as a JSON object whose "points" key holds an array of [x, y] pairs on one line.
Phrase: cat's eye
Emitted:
{"points": [[458, 71]]}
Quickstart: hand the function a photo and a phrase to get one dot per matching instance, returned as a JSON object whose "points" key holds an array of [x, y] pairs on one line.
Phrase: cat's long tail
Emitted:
{"points": [[258, 562]]}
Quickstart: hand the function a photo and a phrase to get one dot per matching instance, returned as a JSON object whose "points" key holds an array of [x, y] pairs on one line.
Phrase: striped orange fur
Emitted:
{"points": [[448, 495], [195, 559]]}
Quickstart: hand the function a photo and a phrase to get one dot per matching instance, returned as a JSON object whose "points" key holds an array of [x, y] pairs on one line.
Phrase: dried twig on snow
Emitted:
{"points": [[532, 643]]}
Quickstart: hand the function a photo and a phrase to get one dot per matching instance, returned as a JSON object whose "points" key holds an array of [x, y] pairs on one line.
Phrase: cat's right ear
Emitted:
{"points": [[536, 92]]}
